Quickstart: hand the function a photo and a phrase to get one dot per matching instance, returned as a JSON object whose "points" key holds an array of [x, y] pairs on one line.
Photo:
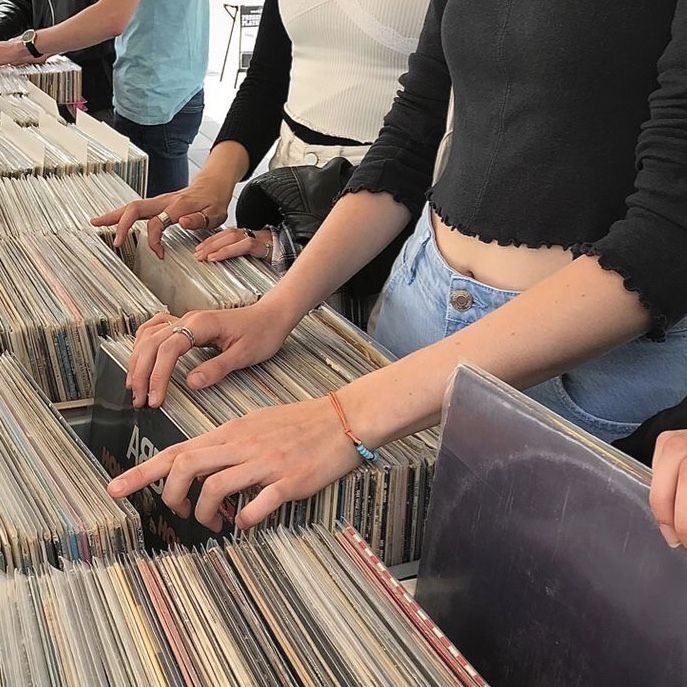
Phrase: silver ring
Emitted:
{"points": [[165, 219], [268, 250], [248, 233], [206, 219], [187, 333]]}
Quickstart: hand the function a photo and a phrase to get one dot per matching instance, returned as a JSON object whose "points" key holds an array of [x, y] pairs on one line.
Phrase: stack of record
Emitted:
{"points": [[184, 284], [58, 294], [33, 150], [386, 501], [58, 76], [21, 110], [54, 502], [15, 161], [41, 205], [307, 609], [12, 83]]}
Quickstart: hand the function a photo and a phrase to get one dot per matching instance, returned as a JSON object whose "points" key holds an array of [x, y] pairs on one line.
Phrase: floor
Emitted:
{"points": [[218, 93]]}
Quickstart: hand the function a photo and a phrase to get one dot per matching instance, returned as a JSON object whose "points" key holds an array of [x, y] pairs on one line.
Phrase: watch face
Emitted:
{"points": [[28, 36]]}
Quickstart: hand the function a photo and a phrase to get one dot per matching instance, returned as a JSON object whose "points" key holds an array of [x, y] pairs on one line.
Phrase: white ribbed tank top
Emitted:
{"points": [[347, 58]]}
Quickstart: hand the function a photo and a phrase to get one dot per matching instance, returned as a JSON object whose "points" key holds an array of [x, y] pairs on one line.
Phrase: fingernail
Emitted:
{"points": [[197, 379], [670, 536], [117, 487], [217, 524], [153, 398]]}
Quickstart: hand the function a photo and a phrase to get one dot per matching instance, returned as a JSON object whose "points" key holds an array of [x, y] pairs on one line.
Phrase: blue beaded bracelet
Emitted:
{"points": [[368, 455]]}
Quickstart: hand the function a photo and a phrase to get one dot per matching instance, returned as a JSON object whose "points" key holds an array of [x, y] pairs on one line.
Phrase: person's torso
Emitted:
{"points": [[549, 102], [162, 58], [347, 58]]}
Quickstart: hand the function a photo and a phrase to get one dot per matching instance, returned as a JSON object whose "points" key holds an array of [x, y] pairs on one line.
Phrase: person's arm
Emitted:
{"points": [[295, 450], [95, 24], [250, 128], [15, 17]]}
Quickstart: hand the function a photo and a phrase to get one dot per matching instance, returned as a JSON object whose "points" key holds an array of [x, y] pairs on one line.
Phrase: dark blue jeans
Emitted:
{"points": [[166, 144]]}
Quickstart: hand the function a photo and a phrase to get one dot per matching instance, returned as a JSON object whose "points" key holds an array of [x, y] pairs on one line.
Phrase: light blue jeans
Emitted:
{"points": [[425, 300]]}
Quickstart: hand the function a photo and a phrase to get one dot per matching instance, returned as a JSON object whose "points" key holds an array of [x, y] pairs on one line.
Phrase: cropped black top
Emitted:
{"points": [[570, 129]]}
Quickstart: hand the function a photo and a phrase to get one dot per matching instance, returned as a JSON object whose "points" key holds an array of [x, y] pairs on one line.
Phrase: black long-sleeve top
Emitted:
{"points": [[570, 129]]}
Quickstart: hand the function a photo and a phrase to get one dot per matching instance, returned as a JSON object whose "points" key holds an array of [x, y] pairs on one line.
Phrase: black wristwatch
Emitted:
{"points": [[28, 39]]}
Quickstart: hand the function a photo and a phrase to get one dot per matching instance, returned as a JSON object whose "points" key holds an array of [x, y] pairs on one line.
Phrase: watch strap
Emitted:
{"points": [[31, 46]]}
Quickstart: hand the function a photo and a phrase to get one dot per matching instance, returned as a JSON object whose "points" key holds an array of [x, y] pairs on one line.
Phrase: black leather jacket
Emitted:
{"points": [[301, 198], [96, 62]]}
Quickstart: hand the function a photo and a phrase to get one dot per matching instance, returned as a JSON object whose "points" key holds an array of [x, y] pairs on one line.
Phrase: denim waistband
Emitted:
{"points": [[423, 245]]}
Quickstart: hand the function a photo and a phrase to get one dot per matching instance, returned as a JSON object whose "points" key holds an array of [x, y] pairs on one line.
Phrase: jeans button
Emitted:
{"points": [[310, 159], [462, 300]]}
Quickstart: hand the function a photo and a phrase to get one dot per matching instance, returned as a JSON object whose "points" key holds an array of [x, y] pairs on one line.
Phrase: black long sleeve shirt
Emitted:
{"points": [[570, 129]]}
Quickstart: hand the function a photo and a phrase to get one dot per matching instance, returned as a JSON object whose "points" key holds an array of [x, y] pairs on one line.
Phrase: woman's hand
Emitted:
{"points": [[669, 486], [202, 205], [231, 243], [245, 336], [291, 451]]}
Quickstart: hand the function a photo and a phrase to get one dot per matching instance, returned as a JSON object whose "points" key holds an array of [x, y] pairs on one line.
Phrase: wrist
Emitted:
{"points": [[277, 313], [370, 422], [279, 303], [213, 185]]}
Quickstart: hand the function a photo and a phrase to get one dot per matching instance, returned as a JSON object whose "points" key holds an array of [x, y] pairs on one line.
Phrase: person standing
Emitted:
{"points": [[162, 58], [96, 60], [157, 81]]}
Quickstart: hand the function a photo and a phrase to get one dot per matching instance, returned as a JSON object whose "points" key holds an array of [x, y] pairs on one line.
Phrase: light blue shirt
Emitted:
{"points": [[162, 57]]}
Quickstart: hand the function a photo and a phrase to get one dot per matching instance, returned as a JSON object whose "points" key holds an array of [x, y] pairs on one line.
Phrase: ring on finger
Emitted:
{"points": [[268, 250], [187, 333], [165, 219], [206, 219], [248, 233]]}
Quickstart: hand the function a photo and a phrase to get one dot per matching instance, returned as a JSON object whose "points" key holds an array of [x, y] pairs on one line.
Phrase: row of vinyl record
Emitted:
{"points": [[312, 608], [54, 505], [55, 312], [386, 501], [81, 604], [51, 147], [58, 76], [36, 140]]}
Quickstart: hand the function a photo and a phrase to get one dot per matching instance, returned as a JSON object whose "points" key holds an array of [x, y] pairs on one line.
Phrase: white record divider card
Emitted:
{"points": [[104, 134], [31, 147], [42, 99], [61, 135]]}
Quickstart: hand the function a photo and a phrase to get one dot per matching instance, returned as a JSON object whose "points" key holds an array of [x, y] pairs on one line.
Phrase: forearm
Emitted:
{"points": [[95, 24], [358, 228], [225, 167], [577, 314]]}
